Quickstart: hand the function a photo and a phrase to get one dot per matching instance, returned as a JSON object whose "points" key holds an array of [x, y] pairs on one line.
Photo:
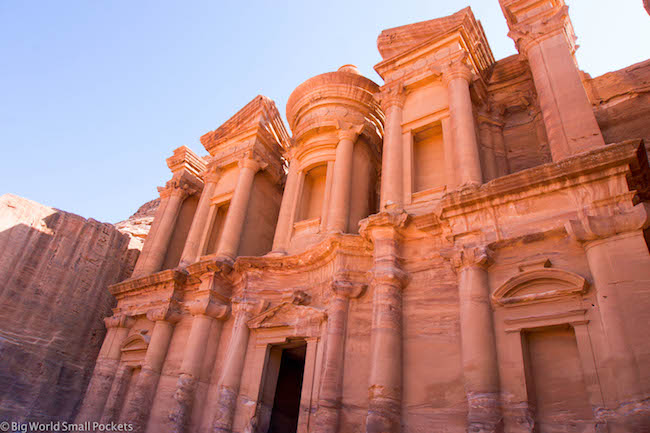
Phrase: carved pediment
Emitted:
{"points": [[136, 342], [288, 315], [539, 285]]}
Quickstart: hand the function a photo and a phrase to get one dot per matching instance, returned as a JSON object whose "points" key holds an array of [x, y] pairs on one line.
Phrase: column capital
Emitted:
{"points": [[591, 228], [466, 257], [253, 162], [391, 95], [394, 220], [248, 307], [212, 174], [457, 69], [168, 312], [388, 274], [119, 321], [348, 131], [344, 285], [209, 306], [528, 34], [178, 187]]}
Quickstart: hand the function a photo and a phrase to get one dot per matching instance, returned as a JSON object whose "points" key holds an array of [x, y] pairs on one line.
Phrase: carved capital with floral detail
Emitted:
{"points": [[457, 69], [346, 285], [591, 228], [392, 95], [348, 131], [209, 306], [252, 162], [469, 257], [168, 312], [119, 321], [526, 35], [248, 308]]}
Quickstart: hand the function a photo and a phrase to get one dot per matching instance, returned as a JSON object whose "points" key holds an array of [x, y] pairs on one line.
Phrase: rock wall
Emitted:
{"points": [[54, 270]]}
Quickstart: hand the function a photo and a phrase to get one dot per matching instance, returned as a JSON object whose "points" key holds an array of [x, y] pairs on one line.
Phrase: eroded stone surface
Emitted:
{"points": [[54, 268]]}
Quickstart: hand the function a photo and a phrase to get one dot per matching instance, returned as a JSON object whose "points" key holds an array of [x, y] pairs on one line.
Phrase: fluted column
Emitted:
{"points": [[138, 406], [457, 77], [339, 213], [153, 253], [106, 366], [204, 312], [228, 388], [478, 344], [388, 280], [547, 41], [392, 100], [200, 222], [234, 224], [287, 209], [329, 403], [618, 258]]}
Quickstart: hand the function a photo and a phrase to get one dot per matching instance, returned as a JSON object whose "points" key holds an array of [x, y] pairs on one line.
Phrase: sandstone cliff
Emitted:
{"points": [[54, 270], [137, 225]]}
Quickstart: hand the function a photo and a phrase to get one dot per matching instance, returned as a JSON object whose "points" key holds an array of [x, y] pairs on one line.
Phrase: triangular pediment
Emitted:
{"points": [[287, 315], [260, 117]]}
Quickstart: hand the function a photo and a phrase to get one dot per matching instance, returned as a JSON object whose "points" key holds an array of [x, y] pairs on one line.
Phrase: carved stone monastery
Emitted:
{"points": [[462, 249]]}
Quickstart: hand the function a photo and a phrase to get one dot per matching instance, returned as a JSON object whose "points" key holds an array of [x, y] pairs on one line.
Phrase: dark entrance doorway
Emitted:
{"points": [[286, 402]]}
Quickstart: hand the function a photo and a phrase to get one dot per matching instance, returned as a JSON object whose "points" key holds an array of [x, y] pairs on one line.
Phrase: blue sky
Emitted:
{"points": [[96, 94]]}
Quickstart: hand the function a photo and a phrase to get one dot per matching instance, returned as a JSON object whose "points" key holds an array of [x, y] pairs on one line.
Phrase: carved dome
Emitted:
{"points": [[325, 101]]}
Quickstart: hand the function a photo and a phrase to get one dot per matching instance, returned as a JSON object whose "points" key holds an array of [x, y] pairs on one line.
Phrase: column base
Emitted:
{"points": [[384, 416]]}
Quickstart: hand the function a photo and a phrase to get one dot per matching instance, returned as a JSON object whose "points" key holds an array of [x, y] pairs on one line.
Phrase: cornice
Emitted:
{"points": [[168, 277]]}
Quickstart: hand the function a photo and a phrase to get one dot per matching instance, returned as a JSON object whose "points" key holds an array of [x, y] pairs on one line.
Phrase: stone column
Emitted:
{"points": [[388, 280], [488, 153], [548, 44], [329, 403], [234, 224], [228, 388], [339, 209], [478, 345], [201, 221], [329, 180], [204, 313], [138, 406], [448, 144], [106, 366], [618, 260], [153, 253], [289, 202], [457, 77], [392, 100], [115, 398], [503, 166]]}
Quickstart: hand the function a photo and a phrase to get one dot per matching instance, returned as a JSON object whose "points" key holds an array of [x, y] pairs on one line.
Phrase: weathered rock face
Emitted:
{"points": [[54, 270], [137, 226]]}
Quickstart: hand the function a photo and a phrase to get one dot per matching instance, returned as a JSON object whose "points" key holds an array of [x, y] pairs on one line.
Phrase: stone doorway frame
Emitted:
{"points": [[551, 297], [284, 326]]}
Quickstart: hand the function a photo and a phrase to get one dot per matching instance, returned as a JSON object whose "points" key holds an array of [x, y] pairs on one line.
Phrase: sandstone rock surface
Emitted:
{"points": [[54, 269], [137, 226]]}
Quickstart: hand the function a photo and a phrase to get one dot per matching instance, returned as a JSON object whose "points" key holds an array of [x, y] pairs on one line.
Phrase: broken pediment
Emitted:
{"points": [[397, 40], [539, 285], [258, 119], [288, 315]]}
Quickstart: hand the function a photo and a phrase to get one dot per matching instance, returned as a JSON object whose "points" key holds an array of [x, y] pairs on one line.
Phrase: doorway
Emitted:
{"points": [[286, 399]]}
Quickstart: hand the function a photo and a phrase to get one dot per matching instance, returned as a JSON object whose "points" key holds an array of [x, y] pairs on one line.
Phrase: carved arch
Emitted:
{"points": [[539, 285]]}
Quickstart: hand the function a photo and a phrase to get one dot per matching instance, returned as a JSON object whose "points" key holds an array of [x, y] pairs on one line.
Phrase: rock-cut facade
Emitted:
{"points": [[461, 249]]}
